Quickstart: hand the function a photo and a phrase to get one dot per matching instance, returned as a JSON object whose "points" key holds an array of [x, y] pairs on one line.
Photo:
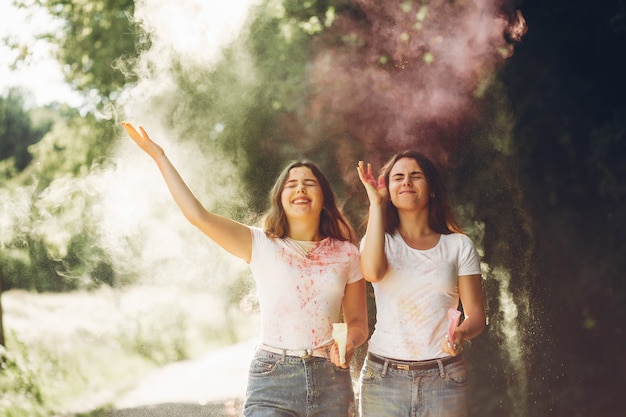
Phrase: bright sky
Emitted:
{"points": [[206, 25], [43, 76]]}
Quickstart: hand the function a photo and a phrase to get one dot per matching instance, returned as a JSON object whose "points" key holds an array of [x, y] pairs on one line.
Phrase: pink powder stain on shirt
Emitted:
{"points": [[306, 292], [328, 260]]}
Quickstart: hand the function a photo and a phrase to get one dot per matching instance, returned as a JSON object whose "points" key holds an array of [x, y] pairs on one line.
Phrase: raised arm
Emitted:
{"points": [[373, 259], [234, 237]]}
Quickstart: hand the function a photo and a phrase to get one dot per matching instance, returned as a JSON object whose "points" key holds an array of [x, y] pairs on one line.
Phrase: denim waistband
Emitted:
{"points": [[320, 352], [413, 366]]}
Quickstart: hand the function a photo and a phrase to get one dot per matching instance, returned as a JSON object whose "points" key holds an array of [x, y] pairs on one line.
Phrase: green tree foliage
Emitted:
{"points": [[95, 44], [252, 104], [17, 132], [48, 241], [74, 146]]}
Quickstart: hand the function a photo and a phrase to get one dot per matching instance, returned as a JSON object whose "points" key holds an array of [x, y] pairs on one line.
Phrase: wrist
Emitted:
{"points": [[464, 333], [160, 157], [357, 336], [376, 207]]}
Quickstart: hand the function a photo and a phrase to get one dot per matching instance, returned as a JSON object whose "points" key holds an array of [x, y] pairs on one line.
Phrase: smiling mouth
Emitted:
{"points": [[301, 201]]}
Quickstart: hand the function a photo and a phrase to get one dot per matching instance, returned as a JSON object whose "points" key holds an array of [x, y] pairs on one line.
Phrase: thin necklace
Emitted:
{"points": [[304, 247]]}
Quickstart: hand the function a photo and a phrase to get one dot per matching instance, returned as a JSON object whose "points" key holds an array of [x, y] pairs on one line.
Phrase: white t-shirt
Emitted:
{"points": [[413, 298], [300, 294]]}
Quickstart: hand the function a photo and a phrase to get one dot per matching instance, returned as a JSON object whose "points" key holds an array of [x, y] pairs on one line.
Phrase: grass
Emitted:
{"points": [[74, 354]]}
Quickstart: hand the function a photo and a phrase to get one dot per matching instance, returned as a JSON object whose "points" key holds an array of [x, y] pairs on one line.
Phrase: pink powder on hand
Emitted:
{"points": [[454, 316]]}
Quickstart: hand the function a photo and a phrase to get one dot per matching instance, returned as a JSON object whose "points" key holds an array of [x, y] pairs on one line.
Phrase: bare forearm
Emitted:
{"points": [[357, 333], [472, 326], [182, 195], [472, 298], [373, 259], [232, 236]]}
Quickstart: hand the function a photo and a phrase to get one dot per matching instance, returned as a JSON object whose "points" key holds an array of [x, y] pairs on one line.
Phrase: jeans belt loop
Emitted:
{"points": [[441, 370]]}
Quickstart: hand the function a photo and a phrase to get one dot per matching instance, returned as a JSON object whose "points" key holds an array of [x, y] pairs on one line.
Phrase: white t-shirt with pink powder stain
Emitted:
{"points": [[413, 298], [300, 294]]}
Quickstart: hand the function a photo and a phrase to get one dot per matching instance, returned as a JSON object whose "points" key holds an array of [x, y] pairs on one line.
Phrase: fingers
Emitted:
{"points": [[366, 174], [359, 169], [144, 133], [450, 347], [140, 135], [130, 129], [335, 357]]}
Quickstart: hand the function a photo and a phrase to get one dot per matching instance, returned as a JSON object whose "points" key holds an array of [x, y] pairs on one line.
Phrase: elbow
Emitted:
{"points": [[195, 217], [373, 274], [372, 277], [360, 332], [481, 326], [194, 220]]}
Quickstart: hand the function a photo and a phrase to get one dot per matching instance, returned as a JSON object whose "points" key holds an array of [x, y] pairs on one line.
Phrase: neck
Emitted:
{"points": [[411, 233], [307, 231], [417, 234], [414, 224]]}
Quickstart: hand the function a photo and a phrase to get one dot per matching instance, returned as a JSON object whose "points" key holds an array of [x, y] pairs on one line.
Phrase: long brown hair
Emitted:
{"points": [[332, 221], [441, 219]]}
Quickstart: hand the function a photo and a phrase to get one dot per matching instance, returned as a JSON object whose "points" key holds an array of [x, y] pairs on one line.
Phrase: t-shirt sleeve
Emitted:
{"points": [[469, 262], [259, 241], [354, 269]]}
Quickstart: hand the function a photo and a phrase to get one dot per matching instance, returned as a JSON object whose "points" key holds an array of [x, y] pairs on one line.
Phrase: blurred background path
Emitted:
{"points": [[213, 385]]}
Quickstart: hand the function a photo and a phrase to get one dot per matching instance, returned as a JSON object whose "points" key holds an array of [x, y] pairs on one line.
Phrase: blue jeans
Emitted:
{"points": [[296, 387], [391, 392]]}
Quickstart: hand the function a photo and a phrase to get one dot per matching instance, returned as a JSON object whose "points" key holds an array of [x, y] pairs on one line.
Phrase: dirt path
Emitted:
{"points": [[213, 385]]}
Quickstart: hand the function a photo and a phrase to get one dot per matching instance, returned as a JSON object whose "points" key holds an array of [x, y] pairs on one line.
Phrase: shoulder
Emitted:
{"points": [[393, 238], [258, 234], [349, 246], [459, 238], [458, 241], [256, 230], [461, 244], [343, 246]]}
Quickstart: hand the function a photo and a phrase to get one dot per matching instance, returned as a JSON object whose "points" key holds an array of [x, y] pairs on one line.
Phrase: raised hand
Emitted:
{"points": [[142, 139], [376, 189]]}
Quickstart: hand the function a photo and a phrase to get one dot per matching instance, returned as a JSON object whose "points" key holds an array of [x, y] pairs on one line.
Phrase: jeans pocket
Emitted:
{"points": [[457, 373], [261, 366], [370, 373]]}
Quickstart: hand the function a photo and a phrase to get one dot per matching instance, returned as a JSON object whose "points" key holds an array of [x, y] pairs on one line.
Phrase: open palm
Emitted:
{"points": [[142, 139], [376, 188]]}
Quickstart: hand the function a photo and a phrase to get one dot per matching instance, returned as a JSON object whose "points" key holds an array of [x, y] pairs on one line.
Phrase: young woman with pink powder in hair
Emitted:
{"points": [[420, 265], [306, 269]]}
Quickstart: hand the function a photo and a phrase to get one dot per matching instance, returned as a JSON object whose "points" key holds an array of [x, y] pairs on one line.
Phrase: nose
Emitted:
{"points": [[407, 181], [301, 188]]}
